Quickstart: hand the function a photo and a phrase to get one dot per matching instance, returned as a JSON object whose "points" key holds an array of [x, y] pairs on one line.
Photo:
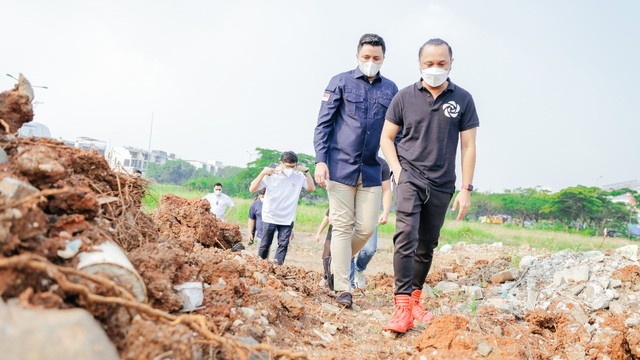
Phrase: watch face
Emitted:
{"points": [[470, 187]]}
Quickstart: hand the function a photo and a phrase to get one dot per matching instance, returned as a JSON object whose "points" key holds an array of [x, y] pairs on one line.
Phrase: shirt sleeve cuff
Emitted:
{"points": [[321, 158]]}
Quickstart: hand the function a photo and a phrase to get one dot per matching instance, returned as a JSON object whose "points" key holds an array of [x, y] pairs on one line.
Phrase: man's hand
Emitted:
{"points": [[396, 174], [302, 168], [268, 171], [383, 219], [322, 174], [463, 200], [318, 237]]}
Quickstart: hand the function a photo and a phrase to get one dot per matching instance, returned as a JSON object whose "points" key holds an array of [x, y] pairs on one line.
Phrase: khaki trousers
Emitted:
{"points": [[353, 213]]}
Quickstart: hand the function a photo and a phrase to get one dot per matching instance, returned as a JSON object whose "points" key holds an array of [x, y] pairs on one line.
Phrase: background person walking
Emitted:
{"points": [[283, 185], [221, 204]]}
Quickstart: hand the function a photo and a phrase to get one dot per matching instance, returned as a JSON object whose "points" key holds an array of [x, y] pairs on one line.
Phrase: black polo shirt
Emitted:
{"points": [[430, 131]]}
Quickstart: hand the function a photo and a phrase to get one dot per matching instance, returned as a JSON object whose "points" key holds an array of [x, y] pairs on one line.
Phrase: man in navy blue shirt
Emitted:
{"points": [[434, 114], [346, 141], [255, 218]]}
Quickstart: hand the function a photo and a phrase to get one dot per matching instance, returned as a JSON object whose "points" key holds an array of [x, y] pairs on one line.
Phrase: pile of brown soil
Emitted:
{"points": [[191, 221]]}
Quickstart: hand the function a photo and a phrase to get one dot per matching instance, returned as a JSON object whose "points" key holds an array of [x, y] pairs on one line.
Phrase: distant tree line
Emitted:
{"points": [[235, 180], [588, 210]]}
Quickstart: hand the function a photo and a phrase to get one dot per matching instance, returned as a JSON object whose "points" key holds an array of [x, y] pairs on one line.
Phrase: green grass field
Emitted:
{"points": [[308, 218]]}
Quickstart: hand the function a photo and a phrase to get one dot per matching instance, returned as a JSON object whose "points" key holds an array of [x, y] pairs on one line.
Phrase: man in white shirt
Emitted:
{"points": [[283, 185], [221, 204]]}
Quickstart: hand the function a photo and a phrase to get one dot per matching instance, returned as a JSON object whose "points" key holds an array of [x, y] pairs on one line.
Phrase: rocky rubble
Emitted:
{"points": [[565, 305]]}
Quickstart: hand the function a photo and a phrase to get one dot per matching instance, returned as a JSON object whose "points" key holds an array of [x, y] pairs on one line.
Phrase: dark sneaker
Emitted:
{"points": [[345, 299], [237, 247]]}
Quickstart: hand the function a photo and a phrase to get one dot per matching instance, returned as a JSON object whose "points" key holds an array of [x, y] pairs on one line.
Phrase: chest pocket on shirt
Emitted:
{"points": [[382, 104], [354, 103]]}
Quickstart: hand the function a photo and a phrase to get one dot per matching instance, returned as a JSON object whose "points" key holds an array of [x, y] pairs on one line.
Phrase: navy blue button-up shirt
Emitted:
{"points": [[347, 137]]}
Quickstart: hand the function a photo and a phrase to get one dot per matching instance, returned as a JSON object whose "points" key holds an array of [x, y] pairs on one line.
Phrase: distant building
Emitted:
{"points": [[160, 157], [210, 166], [631, 184], [34, 129], [129, 158], [87, 143], [216, 166]]}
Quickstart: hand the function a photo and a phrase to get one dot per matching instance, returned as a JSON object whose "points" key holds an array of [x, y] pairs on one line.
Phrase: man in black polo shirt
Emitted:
{"points": [[433, 114]]}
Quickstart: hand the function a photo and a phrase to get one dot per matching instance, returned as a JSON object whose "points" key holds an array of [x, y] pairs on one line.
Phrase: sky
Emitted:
{"points": [[555, 83]]}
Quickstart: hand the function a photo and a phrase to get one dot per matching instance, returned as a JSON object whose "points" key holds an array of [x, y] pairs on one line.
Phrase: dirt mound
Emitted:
{"points": [[57, 201], [15, 106], [191, 221]]}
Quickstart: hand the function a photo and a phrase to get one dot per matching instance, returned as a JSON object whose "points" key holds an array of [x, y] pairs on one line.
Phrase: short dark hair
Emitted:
{"points": [[260, 192], [289, 157], [373, 40], [217, 184], [435, 42]]}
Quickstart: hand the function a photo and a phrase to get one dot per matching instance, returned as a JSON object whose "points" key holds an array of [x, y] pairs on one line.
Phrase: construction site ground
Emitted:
{"points": [[167, 285]]}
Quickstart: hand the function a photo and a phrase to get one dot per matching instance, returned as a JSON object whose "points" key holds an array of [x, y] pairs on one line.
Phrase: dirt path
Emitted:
{"points": [[360, 332], [488, 305]]}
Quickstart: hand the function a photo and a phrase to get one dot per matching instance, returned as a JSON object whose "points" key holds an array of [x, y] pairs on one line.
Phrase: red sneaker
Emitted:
{"points": [[401, 321], [418, 312]]}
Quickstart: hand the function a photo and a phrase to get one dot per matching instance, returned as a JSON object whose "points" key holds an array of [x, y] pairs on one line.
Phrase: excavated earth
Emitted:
{"points": [[490, 301]]}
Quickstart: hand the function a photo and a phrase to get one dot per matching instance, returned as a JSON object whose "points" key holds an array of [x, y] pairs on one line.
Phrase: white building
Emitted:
{"points": [[129, 159], [210, 166], [631, 184], [87, 143]]}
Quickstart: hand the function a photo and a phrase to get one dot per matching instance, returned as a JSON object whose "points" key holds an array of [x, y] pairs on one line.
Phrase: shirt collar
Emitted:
{"points": [[358, 74]]}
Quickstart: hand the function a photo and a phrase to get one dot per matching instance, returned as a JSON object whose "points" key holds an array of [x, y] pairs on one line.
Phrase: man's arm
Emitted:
{"points": [[323, 225], [311, 186], [230, 205], [229, 209], [331, 100], [468, 157], [386, 201], [255, 184], [389, 132], [251, 225]]}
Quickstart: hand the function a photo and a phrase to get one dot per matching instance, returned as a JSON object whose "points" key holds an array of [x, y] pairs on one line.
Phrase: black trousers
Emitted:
{"points": [[284, 234], [420, 214]]}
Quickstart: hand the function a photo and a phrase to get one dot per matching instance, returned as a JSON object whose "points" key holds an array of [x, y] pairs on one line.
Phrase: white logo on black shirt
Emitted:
{"points": [[451, 109]]}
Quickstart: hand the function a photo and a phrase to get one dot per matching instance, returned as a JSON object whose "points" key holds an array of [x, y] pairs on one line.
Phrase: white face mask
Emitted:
{"points": [[217, 192], [434, 76], [369, 68], [287, 171]]}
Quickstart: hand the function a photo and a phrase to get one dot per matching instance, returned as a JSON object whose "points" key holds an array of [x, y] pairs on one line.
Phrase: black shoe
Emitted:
{"points": [[345, 299], [237, 247], [328, 276]]}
